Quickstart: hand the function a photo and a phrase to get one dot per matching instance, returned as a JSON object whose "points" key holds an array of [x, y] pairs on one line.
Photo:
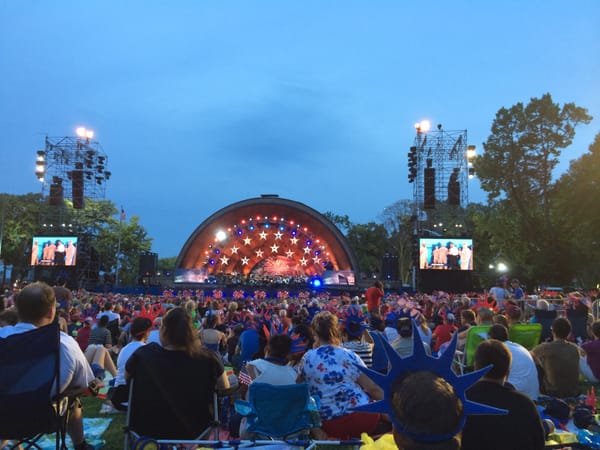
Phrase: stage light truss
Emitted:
{"points": [[65, 158], [449, 155]]}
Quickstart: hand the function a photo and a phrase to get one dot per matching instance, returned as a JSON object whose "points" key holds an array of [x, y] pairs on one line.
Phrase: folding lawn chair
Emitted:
{"points": [[30, 368], [279, 412], [475, 335], [151, 404], [526, 334]]}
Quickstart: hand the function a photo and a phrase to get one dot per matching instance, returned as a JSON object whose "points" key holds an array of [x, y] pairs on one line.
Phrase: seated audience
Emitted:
{"points": [[560, 361], [523, 374], [176, 381], [443, 333], [139, 331], [404, 344], [590, 362], [521, 428], [36, 307], [332, 374]]}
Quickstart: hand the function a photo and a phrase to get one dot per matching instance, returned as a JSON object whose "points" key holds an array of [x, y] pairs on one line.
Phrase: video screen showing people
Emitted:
{"points": [[54, 251], [445, 254]]}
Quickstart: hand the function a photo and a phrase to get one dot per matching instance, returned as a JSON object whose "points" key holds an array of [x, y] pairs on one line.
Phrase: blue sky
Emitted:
{"points": [[200, 104]]}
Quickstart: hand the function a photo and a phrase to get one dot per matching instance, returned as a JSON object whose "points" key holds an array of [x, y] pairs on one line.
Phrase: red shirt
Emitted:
{"points": [[444, 334], [373, 296]]}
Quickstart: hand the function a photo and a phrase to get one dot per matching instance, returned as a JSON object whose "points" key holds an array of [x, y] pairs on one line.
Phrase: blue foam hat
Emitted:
{"points": [[421, 361]]}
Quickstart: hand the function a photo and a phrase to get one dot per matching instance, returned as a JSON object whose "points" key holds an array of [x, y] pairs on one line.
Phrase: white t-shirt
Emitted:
{"points": [[124, 355], [272, 373], [75, 371], [523, 373]]}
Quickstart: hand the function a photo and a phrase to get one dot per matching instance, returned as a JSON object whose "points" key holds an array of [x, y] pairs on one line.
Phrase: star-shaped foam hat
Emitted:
{"points": [[421, 361]]}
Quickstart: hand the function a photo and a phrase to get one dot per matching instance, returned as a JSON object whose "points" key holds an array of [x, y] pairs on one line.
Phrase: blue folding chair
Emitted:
{"points": [[280, 411], [29, 370]]}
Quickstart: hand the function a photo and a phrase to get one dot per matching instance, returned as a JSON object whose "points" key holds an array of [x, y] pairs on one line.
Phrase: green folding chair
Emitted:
{"points": [[526, 334]]}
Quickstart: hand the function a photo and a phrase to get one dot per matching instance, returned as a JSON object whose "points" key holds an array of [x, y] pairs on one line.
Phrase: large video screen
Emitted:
{"points": [[54, 251], [445, 254]]}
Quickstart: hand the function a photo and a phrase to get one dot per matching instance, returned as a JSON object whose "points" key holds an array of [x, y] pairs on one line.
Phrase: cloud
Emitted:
{"points": [[295, 125]]}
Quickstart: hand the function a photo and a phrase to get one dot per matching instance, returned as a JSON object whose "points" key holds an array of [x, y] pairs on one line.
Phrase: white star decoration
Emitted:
{"points": [[234, 249], [306, 249], [263, 235], [247, 241], [303, 261], [245, 261], [224, 260], [259, 253], [316, 259], [274, 248], [278, 235], [289, 254], [294, 240]]}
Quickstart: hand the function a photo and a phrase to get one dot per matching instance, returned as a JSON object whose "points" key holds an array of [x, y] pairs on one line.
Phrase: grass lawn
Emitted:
{"points": [[114, 434]]}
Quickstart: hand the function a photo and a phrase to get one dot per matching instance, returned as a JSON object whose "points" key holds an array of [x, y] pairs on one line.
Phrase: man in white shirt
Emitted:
{"points": [[36, 306], [523, 374]]}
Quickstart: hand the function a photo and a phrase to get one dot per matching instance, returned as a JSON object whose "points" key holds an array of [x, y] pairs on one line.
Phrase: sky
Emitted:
{"points": [[201, 104]]}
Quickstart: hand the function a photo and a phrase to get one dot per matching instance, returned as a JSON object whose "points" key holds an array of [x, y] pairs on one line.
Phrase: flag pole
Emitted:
{"points": [[121, 219]]}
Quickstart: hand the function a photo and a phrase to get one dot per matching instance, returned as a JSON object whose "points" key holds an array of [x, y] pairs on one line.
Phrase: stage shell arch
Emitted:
{"points": [[266, 236]]}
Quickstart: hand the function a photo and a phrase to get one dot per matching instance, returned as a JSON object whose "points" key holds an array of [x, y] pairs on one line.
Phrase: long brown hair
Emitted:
{"points": [[177, 330]]}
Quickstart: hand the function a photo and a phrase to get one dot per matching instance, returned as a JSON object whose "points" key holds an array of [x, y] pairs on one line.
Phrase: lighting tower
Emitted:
{"points": [[440, 163], [72, 169]]}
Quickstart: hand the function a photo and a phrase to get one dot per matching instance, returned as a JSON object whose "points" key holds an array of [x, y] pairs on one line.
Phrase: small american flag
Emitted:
{"points": [[123, 216], [244, 377]]}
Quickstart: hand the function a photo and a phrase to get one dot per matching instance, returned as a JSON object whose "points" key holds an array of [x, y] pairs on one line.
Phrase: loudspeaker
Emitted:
{"points": [[453, 193], [56, 194], [77, 188], [429, 193], [148, 264], [389, 267]]}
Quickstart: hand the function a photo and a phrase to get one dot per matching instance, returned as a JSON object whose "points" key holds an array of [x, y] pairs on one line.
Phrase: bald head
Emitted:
{"points": [[36, 304]]}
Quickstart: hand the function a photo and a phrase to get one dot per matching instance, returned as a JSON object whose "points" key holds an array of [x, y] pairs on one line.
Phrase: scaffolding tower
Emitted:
{"points": [[439, 169], [71, 170]]}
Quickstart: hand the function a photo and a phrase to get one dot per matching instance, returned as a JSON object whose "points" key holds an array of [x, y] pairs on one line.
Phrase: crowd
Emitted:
{"points": [[328, 342]]}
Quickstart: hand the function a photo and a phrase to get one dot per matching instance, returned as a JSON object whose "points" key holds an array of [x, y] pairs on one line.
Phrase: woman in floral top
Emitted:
{"points": [[332, 374]]}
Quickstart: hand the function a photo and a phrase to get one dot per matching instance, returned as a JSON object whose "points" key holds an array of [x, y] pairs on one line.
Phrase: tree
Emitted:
{"points": [[576, 197], [516, 171], [133, 240], [369, 242], [399, 224]]}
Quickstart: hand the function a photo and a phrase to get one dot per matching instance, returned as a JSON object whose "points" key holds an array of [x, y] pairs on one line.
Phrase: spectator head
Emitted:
{"points": [[450, 318], [140, 328], [36, 304], [484, 316], [325, 326], [103, 322], [542, 304], [8, 317], [177, 332], [417, 400], [495, 353], [378, 284], [501, 319], [512, 312], [467, 316], [279, 346], [498, 332], [561, 327], [404, 327]]}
